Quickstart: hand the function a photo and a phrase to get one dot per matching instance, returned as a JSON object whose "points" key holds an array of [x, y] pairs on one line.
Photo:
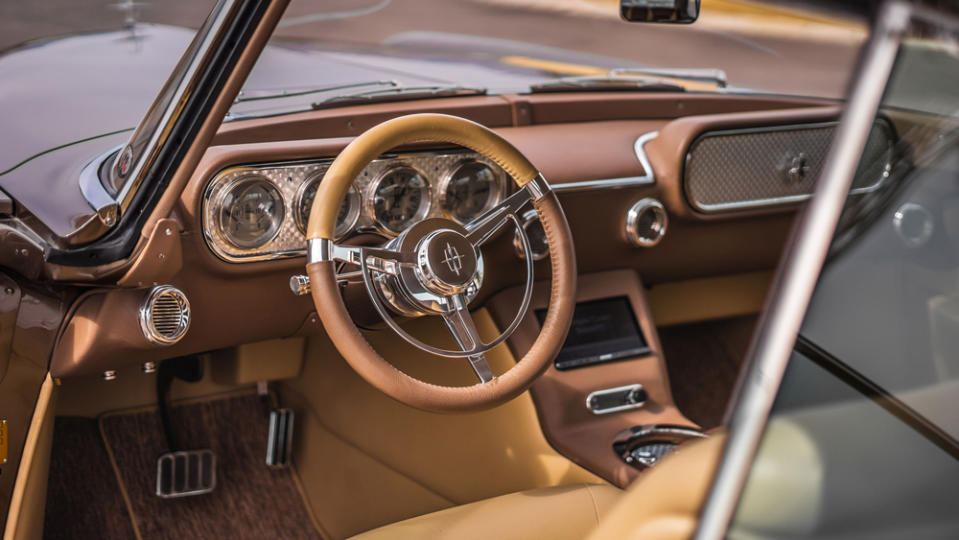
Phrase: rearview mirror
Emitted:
{"points": [[659, 11]]}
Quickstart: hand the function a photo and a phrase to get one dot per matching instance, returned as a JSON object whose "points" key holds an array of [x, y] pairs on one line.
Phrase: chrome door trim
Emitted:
{"points": [[796, 279], [647, 179]]}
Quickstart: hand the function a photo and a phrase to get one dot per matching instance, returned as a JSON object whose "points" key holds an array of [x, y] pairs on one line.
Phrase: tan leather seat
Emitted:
{"points": [[556, 513]]}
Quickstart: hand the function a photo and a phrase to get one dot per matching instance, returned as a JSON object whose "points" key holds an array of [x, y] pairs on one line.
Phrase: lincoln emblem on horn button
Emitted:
{"points": [[453, 259]]}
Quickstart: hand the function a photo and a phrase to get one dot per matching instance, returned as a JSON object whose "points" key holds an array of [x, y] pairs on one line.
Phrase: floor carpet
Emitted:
{"points": [[83, 497], [703, 361], [250, 500]]}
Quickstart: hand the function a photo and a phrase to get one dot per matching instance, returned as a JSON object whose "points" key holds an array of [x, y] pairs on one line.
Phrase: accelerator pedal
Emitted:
{"points": [[186, 473], [279, 442]]}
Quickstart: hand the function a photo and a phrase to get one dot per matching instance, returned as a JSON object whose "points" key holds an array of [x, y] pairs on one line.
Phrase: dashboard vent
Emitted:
{"points": [[165, 315]]}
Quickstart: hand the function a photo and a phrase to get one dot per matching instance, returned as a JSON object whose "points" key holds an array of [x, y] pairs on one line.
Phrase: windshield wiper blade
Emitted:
{"points": [[246, 96], [607, 83], [715, 76], [398, 93]]}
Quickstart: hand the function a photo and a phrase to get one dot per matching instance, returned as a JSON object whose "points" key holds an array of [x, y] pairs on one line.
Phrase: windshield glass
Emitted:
{"points": [[386, 49], [862, 438]]}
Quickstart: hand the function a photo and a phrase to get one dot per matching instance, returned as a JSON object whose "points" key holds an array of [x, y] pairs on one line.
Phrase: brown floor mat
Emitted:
{"points": [[250, 500], [83, 497], [703, 361]]}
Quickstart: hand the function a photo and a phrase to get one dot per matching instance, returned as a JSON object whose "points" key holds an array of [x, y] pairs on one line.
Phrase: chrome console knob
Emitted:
{"points": [[646, 222]]}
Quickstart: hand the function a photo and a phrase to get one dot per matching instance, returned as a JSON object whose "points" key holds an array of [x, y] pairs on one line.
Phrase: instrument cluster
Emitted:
{"points": [[261, 211]]}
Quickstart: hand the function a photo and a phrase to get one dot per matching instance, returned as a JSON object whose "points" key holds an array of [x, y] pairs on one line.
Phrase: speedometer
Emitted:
{"points": [[250, 212], [345, 218], [469, 189], [401, 197]]}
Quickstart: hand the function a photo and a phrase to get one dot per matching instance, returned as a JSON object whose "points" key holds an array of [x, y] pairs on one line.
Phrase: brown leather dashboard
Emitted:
{"points": [[569, 137]]}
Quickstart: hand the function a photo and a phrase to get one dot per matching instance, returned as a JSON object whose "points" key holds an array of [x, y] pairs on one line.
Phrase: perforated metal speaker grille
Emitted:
{"points": [[748, 168], [165, 315]]}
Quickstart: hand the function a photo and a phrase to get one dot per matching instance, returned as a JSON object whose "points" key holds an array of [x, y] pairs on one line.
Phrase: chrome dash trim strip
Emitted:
{"points": [[796, 279], [648, 179], [777, 201]]}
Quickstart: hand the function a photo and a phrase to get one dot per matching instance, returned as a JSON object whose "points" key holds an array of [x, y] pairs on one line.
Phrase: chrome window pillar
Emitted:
{"points": [[772, 345], [110, 194], [122, 189]]}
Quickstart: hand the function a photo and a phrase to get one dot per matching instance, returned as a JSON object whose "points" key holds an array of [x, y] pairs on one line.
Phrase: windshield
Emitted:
{"points": [[390, 49]]}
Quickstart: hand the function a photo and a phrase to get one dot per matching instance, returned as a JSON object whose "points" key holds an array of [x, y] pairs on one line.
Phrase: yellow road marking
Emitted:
{"points": [[565, 68], [552, 66]]}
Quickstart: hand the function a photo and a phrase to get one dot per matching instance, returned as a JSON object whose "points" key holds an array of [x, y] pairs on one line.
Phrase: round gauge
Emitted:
{"points": [[250, 212], [345, 218], [401, 197], [468, 190]]}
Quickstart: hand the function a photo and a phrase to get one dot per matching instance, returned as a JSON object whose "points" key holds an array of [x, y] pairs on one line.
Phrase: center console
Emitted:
{"points": [[609, 380]]}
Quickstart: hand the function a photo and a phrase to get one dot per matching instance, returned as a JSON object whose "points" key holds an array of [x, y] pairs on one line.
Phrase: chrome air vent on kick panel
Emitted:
{"points": [[165, 315]]}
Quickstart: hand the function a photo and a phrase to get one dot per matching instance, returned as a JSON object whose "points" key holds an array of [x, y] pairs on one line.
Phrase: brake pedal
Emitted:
{"points": [[279, 442], [186, 473]]}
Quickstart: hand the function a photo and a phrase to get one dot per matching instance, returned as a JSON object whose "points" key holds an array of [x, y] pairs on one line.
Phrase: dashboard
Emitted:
{"points": [[230, 230], [259, 212]]}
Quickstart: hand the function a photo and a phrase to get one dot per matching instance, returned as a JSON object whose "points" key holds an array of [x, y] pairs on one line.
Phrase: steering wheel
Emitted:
{"points": [[435, 268]]}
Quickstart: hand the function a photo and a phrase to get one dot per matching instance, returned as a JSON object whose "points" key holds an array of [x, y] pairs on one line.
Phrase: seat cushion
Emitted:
{"points": [[557, 513]]}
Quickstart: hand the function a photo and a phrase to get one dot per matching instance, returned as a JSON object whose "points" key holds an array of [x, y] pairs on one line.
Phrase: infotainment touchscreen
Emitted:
{"points": [[602, 331]]}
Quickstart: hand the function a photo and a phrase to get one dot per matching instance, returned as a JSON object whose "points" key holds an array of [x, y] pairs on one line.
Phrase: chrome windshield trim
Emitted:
{"points": [[152, 132], [796, 279], [648, 179]]}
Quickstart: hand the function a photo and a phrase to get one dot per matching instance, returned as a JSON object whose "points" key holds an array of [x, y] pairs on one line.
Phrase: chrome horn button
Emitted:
{"points": [[446, 262]]}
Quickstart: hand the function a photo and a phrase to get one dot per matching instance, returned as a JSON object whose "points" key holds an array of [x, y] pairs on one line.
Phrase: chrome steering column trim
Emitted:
{"points": [[647, 179]]}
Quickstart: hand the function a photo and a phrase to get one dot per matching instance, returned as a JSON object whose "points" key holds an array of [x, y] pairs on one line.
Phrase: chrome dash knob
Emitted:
{"points": [[300, 284]]}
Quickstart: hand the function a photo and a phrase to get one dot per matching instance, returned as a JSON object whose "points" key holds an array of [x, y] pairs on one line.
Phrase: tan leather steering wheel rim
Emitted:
{"points": [[326, 293]]}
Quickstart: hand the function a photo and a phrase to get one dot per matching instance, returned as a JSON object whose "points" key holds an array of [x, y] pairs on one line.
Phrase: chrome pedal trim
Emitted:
{"points": [[186, 473], [279, 441]]}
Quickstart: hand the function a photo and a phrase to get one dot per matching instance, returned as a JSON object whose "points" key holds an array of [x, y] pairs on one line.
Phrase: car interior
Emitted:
{"points": [[353, 320]]}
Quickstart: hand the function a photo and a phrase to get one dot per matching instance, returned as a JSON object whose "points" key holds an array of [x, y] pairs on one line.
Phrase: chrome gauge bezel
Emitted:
{"points": [[421, 213], [352, 196], [442, 188], [219, 204], [292, 179]]}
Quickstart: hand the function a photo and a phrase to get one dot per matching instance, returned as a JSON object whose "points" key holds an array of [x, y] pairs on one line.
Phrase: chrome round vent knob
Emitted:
{"points": [[165, 315], [646, 222]]}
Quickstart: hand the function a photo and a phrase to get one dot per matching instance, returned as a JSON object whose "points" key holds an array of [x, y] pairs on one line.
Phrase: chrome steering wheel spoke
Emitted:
{"points": [[380, 265], [481, 229], [379, 259], [460, 323]]}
